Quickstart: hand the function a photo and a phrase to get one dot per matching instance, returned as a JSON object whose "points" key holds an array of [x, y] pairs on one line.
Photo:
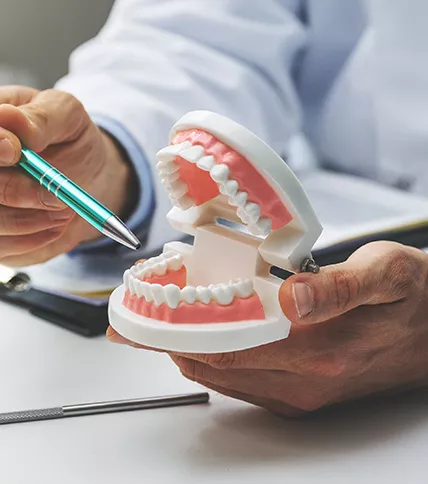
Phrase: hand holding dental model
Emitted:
{"points": [[358, 328]]}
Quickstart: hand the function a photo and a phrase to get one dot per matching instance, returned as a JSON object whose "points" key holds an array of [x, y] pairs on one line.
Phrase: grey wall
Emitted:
{"points": [[39, 35]]}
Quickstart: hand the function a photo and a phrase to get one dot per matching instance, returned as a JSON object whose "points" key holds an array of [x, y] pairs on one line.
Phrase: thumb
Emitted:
{"points": [[51, 117], [377, 273]]}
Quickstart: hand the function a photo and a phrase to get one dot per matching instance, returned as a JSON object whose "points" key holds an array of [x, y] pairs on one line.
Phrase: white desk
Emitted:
{"points": [[227, 441]]}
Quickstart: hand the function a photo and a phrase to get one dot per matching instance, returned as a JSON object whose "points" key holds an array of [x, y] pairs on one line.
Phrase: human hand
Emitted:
{"points": [[34, 225], [360, 328]]}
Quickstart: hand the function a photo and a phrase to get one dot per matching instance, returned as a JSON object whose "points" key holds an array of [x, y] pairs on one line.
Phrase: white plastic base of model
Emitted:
{"points": [[194, 338]]}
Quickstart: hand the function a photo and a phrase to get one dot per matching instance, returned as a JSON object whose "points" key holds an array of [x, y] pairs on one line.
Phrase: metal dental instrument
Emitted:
{"points": [[77, 199], [102, 407]]}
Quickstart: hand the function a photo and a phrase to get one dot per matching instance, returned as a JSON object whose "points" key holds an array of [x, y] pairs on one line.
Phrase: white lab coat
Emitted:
{"points": [[351, 75]]}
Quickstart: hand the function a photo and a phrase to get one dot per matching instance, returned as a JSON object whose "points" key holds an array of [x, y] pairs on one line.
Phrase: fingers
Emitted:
{"points": [[22, 244], [273, 406], [51, 117], [23, 222], [18, 190], [17, 95], [378, 273], [115, 337]]}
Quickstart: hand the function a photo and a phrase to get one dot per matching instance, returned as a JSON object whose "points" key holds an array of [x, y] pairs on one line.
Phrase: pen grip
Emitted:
{"points": [[31, 415], [64, 189]]}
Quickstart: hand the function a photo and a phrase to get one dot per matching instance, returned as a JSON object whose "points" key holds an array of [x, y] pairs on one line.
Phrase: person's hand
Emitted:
{"points": [[359, 328], [34, 225]]}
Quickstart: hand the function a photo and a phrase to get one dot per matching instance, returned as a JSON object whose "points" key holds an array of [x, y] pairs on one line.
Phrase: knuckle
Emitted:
{"points": [[401, 272], [220, 361], [346, 288]]}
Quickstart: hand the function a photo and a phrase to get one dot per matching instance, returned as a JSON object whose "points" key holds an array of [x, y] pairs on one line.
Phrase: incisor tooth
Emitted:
{"points": [[206, 163], [220, 173], [188, 294], [223, 294], [158, 294], [126, 276], [203, 294], [192, 154], [132, 286], [138, 287], [172, 295], [170, 152]]}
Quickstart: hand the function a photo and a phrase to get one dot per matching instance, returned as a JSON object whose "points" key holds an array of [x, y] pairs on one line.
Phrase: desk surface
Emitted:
{"points": [[226, 441]]}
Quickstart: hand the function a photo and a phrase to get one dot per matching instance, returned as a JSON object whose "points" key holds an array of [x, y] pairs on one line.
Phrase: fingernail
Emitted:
{"points": [[116, 338], [61, 216], [303, 298], [49, 200], [7, 151]]}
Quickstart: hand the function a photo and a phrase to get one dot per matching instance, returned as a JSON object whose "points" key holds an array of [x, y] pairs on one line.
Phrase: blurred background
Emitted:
{"points": [[37, 36]]}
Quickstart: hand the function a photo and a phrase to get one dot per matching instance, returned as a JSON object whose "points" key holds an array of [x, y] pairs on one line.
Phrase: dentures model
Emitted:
{"points": [[218, 295]]}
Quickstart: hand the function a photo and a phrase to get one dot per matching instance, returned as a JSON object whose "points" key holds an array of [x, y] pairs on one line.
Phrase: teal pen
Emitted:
{"points": [[77, 199]]}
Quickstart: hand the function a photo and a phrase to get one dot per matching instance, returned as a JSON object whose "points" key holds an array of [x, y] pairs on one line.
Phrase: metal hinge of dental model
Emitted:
{"points": [[309, 265]]}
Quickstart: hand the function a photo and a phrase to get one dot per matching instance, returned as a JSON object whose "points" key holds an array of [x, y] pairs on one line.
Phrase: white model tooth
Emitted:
{"points": [[170, 152], [140, 267], [243, 287], [262, 227], [172, 295], [223, 294], [192, 154], [243, 215], [203, 294], [134, 271], [160, 268], [166, 168], [126, 276], [239, 200], [178, 189], [175, 262], [158, 294], [231, 188], [132, 286], [185, 202], [220, 173], [206, 163], [253, 211], [138, 285], [188, 294]]}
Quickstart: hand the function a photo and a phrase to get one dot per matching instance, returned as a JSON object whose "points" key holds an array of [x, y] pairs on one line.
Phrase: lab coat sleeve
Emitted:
{"points": [[154, 60]]}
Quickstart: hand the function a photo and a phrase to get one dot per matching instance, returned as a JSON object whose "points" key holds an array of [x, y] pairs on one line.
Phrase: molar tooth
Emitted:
{"points": [[239, 200], [243, 287], [167, 167], [172, 295], [160, 268], [178, 189], [262, 227], [188, 294], [220, 173], [175, 263], [231, 188], [185, 202], [192, 154], [203, 294], [243, 215], [223, 294], [253, 210], [169, 153], [158, 294], [206, 163]]}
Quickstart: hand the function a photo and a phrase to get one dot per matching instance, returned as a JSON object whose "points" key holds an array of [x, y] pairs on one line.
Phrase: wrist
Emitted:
{"points": [[119, 179]]}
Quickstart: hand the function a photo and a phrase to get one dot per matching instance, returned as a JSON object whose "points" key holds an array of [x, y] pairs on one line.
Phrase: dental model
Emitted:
{"points": [[218, 295]]}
